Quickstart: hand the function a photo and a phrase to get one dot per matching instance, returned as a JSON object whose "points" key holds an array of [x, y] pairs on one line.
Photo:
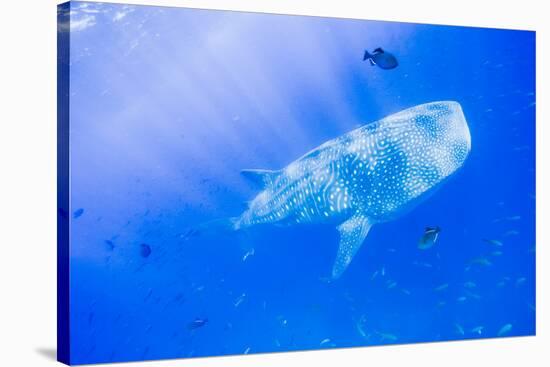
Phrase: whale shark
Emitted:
{"points": [[370, 175]]}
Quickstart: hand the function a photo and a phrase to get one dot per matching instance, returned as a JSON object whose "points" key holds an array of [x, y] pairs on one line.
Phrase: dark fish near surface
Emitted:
{"points": [[78, 213], [110, 245], [429, 238], [381, 58], [145, 250], [197, 323]]}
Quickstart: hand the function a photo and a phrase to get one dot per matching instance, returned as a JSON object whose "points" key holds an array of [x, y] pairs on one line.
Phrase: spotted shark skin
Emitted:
{"points": [[370, 175]]}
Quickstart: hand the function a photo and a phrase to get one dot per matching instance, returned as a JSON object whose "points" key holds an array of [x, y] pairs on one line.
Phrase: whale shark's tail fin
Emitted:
{"points": [[352, 234], [212, 227]]}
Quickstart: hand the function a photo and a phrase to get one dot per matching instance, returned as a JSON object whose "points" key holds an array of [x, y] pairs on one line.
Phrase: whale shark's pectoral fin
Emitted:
{"points": [[261, 177], [352, 234]]}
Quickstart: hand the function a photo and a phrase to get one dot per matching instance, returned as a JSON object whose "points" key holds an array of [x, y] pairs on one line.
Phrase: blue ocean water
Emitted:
{"points": [[168, 105]]}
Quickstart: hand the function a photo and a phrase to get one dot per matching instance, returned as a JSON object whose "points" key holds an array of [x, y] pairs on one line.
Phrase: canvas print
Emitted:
{"points": [[234, 183]]}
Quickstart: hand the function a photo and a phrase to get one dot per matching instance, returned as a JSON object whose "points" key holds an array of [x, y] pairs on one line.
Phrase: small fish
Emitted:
{"points": [[391, 284], [423, 264], [282, 320], [477, 330], [387, 336], [481, 261], [110, 245], [249, 253], [496, 253], [77, 213], [520, 281], [470, 285], [148, 295], [511, 218], [521, 148], [505, 330], [348, 297], [429, 238], [493, 242], [144, 250], [459, 329], [406, 291], [239, 300], [190, 233], [374, 275], [511, 233], [324, 341], [361, 326], [247, 350], [461, 299], [179, 298], [442, 287], [197, 323], [379, 57], [383, 271], [472, 294]]}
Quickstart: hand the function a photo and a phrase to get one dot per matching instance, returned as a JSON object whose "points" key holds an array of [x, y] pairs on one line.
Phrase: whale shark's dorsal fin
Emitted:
{"points": [[261, 177], [352, 234]]}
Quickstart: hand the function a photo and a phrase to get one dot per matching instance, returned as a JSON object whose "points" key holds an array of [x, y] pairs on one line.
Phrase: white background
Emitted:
{"points": [[28, 182]]}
